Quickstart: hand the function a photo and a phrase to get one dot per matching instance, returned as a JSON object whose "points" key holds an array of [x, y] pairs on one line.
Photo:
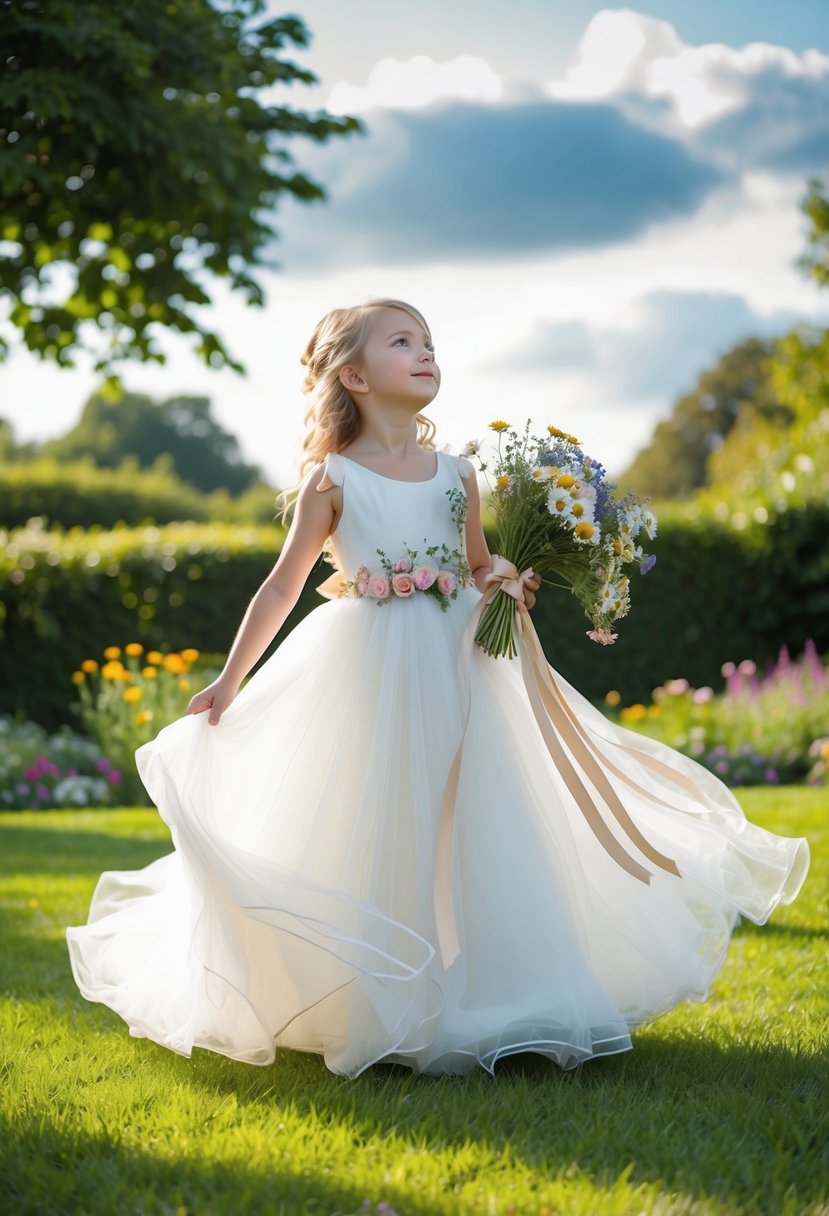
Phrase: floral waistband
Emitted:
{"points": [[441, 574]]}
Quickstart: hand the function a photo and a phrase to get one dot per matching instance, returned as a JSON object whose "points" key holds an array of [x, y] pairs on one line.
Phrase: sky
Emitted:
{"points": [[589, 204]]}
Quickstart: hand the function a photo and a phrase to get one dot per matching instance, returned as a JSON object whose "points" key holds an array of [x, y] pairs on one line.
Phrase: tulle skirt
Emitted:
{"points": [[297, 908]]}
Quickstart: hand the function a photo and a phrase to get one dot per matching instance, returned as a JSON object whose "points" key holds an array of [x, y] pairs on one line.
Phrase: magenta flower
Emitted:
{"points": [[32, 774], [114, 776], [102, 765]]}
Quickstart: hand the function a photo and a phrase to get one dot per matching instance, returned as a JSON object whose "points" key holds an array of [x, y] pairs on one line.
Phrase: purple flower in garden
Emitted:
{"points": [[42, 791], [721, 767], [22, 789], [648, 564], [114, 776], [771, 776], [71, 772], [102, 765], [32, 774]]}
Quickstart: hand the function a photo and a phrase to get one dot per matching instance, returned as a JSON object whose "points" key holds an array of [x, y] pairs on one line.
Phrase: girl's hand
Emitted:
{"points": [[530, 589], [215, 699]]}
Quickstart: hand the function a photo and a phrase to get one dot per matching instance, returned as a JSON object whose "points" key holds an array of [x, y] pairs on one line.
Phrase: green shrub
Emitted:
{"points": [[717, 593], [81, 494]]}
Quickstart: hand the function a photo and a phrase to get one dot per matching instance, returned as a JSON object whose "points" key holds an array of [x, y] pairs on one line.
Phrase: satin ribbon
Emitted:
{"points": [[574, 753]]}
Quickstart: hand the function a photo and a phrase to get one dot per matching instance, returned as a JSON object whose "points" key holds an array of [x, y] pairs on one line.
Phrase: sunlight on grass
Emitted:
{"points": [[720, 1108]]}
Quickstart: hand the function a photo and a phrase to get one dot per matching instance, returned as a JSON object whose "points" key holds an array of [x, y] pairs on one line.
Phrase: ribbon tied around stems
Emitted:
{"points": [[583, 765], [506, 578]]}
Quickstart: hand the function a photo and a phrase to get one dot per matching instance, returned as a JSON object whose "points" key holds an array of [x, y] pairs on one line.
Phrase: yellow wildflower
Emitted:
{"points": [[584, 530], [89, 665], [499, 426], [577, 509], [174, 663], [633, 713], [132, 694], [112, 670], [503, 481], [133, 648], [143, 715], [565, 481], [112, 652], [184, 685], [155, 656], [190, 655], [557, 434], [149, 673], [654, 711], [78, 677], [612, 697]]}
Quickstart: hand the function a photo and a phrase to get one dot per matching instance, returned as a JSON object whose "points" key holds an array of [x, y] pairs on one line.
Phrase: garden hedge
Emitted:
{"points": [[715, 594]]}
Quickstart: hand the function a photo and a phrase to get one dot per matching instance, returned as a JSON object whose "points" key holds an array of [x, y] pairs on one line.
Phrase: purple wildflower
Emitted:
{"points": [[102, 765], [648, 564], [771, 776]]}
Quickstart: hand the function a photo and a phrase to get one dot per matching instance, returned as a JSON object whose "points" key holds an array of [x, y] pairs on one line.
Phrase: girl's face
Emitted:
{"points": [[398, 362]]}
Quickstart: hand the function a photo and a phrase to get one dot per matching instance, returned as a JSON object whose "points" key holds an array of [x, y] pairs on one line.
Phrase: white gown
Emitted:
{"points": [[298, 909]]}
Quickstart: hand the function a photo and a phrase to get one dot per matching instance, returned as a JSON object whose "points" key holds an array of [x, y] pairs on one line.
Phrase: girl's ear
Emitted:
{"points": [[351, 379]]}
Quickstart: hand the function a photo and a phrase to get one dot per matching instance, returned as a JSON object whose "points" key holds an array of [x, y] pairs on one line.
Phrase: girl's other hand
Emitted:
{"points": [[214, 700], [530, 589]]}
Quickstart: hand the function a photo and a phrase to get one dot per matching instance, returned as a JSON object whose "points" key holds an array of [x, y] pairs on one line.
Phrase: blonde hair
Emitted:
{"points": [[332, 419]]}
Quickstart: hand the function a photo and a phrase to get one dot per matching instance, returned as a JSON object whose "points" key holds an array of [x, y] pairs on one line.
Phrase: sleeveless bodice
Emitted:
{"points": [[383, 513]]}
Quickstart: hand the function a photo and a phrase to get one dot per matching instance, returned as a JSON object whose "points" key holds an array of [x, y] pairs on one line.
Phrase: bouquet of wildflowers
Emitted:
{"points": [[555, 512]]}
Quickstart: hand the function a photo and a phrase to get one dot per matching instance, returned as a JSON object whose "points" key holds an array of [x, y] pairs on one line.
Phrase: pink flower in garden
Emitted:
{"points": [[603, 636], [32, 774], [403, 584], [403, 565], [114, 776], [747, 668], [102, 765], [42, 791], [702, 695], [379, 587], [677, 687], [72, 772], [446, 582], [728, 669], [423, 577]]}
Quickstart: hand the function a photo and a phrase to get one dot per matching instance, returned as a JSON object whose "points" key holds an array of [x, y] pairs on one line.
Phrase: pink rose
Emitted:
{"points": [[603, 636], [379, 588], [362, 579], [403, 584], [402, 566], [424, 576], [446, 582]]}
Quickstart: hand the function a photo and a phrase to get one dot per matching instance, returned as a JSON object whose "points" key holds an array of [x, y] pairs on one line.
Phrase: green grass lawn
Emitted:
{"points": [[720, 1108]]}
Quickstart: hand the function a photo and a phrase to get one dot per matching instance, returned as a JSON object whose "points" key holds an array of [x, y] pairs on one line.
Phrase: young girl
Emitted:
{"points": [[376, 857]]}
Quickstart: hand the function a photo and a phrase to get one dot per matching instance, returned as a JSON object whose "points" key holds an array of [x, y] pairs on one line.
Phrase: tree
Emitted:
{"points": [[137, 162], [815, 206], [675, 461], [179, 431]]}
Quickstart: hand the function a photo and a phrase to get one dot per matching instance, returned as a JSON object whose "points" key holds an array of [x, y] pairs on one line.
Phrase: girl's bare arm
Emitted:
{"points": [[313, 520]]}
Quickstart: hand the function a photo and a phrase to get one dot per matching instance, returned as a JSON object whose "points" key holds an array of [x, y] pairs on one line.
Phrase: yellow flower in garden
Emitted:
{"points": [[557, 434], [613, 697], [190, 655], [184, 685], [174, 663], [633, 713], [133, 648], [499, 426], [132, 694], [155, 656], [503, 481], [577, 510], [565, 481], [143, 716], [112, 670], [584, 530], [78, 677], [127, 675], [654, 711], [112, 652], [149, 673], [89, 665]]}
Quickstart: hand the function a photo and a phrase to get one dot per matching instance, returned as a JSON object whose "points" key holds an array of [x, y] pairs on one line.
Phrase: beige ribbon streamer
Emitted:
{"points": [[560, 729]]}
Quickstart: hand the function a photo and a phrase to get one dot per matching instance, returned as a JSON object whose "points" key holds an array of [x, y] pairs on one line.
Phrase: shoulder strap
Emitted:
{"points": [[334, 471]]}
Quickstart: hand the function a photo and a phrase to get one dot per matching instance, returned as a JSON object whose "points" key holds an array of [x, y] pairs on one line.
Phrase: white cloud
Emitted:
{"points": [[624, 54], [395, 84]]}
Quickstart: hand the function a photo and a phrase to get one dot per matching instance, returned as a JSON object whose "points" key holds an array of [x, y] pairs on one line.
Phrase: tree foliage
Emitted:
{"points": [[675, 461], [180, 430], [137, 162]]}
